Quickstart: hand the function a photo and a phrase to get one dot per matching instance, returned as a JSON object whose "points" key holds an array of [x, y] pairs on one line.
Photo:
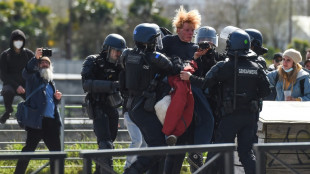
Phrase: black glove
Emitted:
{"points": [[221, 56], [177, 65], [115, 85], [176, 60]]}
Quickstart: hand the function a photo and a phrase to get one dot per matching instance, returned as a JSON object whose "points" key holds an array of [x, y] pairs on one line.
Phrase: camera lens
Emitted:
{"points": [[203, 45]]}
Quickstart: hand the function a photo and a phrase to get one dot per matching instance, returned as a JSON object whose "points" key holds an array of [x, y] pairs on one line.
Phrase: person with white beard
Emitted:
{"points": [[12, 62], [43, 121]]}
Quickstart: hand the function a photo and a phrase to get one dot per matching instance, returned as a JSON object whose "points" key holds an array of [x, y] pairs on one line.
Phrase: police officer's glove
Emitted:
{"points": [[220, 57], [177, 65], [211, 53], [176, 60], [115, 85]]}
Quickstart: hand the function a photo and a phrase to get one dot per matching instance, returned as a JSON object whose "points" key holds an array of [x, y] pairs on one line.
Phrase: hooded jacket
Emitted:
{"points": [[13, 63]]}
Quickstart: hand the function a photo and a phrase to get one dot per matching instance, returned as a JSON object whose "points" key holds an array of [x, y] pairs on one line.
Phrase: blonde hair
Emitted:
{"points": [[182, 16], [291, 76]]}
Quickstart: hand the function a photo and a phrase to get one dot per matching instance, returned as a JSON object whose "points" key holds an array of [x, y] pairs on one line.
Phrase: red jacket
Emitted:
{"points": [[180, 111]]}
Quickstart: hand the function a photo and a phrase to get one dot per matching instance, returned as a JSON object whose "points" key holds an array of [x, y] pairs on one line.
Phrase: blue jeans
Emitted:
{"points": [[137, 139], [204, 120]]}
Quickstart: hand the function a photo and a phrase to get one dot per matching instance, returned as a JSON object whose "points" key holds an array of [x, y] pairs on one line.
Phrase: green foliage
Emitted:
{"points": [[146, 11], [32, 20], [301, 46], [269, 55], [92, 22], [73, 165], [271, 52]]}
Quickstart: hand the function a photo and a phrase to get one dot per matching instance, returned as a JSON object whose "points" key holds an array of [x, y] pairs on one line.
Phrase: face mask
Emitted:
{"points": [[289, 70], [18, 44]]}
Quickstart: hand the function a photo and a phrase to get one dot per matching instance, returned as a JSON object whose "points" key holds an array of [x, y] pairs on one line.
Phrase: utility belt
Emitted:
{"points": [[145, 97], [227, 107], [113, 100]]}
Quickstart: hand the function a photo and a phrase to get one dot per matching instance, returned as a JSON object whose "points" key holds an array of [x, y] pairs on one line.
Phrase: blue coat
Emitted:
{"points": [[302, 74], [37, 103]]}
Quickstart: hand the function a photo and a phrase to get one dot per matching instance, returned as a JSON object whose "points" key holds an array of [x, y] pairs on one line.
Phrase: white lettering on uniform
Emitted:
{"points": [[247, 71]]}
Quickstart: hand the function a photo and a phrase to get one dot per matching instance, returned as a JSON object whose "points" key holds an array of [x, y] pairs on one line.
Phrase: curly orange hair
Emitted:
{"points": [[182, 16]]}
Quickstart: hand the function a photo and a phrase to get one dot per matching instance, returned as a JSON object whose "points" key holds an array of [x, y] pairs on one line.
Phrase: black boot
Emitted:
{"points": [[5, 116], [135, 168], [104, 164], [195, 160], [8, 97], [131, 171]]}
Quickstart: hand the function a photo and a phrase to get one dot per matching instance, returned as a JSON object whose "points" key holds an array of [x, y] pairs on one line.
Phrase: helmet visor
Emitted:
{"points": [[118, 49], [213, 40], [159, 43], [226, 32]]}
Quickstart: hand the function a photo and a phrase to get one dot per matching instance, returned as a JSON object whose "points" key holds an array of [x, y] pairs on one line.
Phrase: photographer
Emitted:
{"points": [[43, 121], [205, 57]]}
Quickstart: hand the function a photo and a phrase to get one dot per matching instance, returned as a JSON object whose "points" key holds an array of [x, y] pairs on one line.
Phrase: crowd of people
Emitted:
{"points": [[204, 96]]}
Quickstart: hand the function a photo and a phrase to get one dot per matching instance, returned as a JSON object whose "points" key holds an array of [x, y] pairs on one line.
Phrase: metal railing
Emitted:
{"points": [[62, 115], [57, 158], [226, 150], [261, 150]]}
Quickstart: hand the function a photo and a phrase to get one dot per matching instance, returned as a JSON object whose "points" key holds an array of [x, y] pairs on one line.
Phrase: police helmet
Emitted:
{"points": [[238, 41], [256, 41], [207, 33], [114, 41], [147, 33], [256, 37]]}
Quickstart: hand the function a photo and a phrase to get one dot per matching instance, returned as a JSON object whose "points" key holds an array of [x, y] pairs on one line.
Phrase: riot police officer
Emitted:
{"points": [[100, 75], [144, 68], [243, 83], [257, 46], [207, 40]]}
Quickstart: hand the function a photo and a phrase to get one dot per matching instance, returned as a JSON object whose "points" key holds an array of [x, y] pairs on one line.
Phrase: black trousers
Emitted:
{"points": [[173, 163], [150, 128], [49, 134], [241, 124], [105, 123], [8, 93]]}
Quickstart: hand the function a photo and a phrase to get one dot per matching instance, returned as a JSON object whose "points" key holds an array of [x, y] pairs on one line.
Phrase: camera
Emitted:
{"points": [[204, 45], [46, 52]]}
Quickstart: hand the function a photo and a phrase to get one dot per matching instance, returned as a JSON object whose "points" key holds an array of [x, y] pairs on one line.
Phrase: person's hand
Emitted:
{"points": [[184, 75], [38, 53], [20, 90], [200, 53], [58, 95], [290, 98]]}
